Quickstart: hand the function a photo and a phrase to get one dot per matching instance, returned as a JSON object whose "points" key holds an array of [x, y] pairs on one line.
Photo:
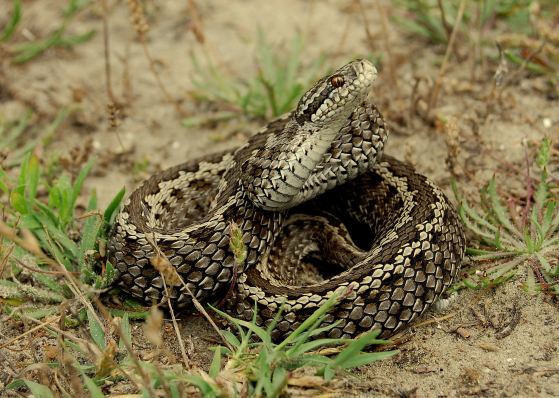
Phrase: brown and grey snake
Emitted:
{"points": [[319, 208]]}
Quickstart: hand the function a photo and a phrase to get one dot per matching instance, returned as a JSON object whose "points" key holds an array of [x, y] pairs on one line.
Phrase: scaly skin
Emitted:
{"points": [[321, 156]]}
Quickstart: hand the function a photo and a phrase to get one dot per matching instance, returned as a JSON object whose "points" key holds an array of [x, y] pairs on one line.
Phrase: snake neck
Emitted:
{"points": [[287, 164], [274, 173], [287, 169]]}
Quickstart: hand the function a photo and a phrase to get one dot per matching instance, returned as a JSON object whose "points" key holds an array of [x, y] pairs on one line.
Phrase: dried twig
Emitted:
{"points": [[437, 87], [141, 27], [169, 274], [176, 326], [113, 106], [29, 331]]}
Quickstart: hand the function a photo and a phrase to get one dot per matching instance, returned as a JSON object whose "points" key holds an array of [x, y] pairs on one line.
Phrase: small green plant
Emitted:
{"points": [[13, 22], [47, 227], [279, 80], [427, 19], [26, 51], [267, 366], [511, 239], [12, 131], [525, 26], [95, 360], [253, 363], [434, 19]]}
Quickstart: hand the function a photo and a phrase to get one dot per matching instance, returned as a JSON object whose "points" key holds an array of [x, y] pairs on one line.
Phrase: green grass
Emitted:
{"points": [[267, 366], [434, 21], [253, 363], [46, 224], [24, 52], [272, 89], [522, 235], [50, 257], [13, 143]]}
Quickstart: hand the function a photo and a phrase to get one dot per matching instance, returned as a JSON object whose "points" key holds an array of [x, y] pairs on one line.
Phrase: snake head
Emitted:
{"points": [[334, 97]]}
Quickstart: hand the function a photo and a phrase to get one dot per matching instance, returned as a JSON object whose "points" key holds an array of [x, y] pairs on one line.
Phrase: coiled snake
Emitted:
{"points": [[319, 209]]}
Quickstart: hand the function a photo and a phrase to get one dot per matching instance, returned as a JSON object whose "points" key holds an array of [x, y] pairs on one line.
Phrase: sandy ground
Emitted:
{"points": [[495, 343]]}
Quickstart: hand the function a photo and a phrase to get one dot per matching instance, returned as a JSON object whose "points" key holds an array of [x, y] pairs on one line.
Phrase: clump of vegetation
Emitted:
{"points": [[23, 52], [49, 239], [516, 236], [12, 144], [267, 366], [525, 28], [280, 78]]}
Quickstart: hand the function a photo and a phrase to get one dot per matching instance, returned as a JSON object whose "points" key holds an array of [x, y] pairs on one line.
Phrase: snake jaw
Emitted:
{"points": [[334, 97]]}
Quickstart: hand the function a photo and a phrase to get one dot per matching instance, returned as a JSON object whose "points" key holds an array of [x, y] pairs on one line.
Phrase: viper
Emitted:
{"points": [[320, 211]]}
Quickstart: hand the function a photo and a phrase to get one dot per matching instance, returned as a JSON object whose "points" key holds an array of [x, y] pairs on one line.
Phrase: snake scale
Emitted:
{"points": [[320, 209]]}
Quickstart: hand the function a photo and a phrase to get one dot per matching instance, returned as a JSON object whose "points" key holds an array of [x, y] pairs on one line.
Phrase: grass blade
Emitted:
{"points": [[12, 24], [96, 330]]}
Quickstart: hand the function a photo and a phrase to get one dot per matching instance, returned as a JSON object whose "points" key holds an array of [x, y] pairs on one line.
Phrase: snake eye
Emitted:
{"points": [[337, 81]]}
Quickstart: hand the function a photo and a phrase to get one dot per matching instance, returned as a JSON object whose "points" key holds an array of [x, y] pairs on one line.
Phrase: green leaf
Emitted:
{"points": [[53, 284], [11, 26], [39, 390], [310, 321], [12, 290], [90, 231], [107, 278], [352, 356], [544, 263], [53, 127], [16, 384], [15, 131], [77, 188], [126, 331], [113, 206], [28, 51], [17, 201], [94, 390], [531, 286], [279, 381], [501, 269], [318, 343], [261, 333], [32, 178], [531, 66], [57, 235], [500, 211], [4, 181], [69, 41], [544, 153], [231, 338], [47, 212], [355, 347], [96, 330], [216, 363], [74, 6], [135, 315], [39, 312], [208, 390]]}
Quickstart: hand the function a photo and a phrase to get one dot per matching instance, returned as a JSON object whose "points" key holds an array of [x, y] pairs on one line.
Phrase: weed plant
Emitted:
{"points": [[23, 52], [280, 78], [516, 236]]}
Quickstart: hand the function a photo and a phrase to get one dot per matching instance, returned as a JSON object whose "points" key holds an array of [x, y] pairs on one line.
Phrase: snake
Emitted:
{"points": [[319, 210]]}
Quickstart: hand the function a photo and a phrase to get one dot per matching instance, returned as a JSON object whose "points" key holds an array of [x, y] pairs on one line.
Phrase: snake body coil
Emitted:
{"points": [[319, 209]]}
